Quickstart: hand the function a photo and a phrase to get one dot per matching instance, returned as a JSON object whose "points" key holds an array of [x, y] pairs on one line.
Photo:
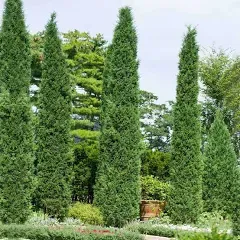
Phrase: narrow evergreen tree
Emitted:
{"points": [[117, 190], [16, 133], [15, 59], [54, 154], [85, 55], [185, 202], [220, 163]]}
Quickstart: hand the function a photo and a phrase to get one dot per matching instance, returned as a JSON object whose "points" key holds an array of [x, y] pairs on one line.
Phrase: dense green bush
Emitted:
{"points": [[153, 189], [60, 233], [86, 213], [155, 163]]}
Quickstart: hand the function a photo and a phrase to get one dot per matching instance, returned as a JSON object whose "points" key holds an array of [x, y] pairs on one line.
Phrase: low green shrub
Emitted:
{"points": [[153, 189], [150, 229], [60, 233], [162, 219], [86, 213], [172, 231], [46, 221], [214, 219], [214, 235]]}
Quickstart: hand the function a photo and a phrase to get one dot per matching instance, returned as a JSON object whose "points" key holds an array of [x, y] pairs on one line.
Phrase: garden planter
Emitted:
{"points": [[151, 209]]}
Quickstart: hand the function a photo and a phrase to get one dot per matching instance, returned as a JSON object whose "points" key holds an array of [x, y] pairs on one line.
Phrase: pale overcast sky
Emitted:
{"points": [[160, 25]]}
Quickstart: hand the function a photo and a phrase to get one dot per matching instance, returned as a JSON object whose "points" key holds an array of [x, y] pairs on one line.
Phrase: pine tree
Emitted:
{"points": [[85, 55], [54, 154], [220, 163], [16, 133], [185, 203], [117, 190]]}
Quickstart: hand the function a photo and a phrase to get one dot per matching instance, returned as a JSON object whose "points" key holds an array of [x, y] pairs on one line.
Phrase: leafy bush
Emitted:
{"points": [[153, 189], [60, 233], [214, 219], [86, 213], [155, 163], [162, 219]]}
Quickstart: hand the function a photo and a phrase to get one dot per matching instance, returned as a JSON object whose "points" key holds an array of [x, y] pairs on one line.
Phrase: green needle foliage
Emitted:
{"points": [[185, 203], [85, 57], [53, 133], [220, 163], [15, 49], [16, 133], [117, 190]]}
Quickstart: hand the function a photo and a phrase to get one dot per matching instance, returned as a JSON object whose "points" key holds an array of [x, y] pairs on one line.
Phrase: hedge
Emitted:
{"points": [[149, 229], [167, 231], [64, 233]]}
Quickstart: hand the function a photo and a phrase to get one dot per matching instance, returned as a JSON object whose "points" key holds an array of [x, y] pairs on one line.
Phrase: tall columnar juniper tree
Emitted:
{"points": [[16, 132], [86, 56], [117, 190], [220, 164], [185, 203], [53, 134]]}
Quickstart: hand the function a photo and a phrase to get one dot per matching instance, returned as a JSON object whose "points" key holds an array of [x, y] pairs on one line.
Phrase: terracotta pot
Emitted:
{"points": [[151, 209]]}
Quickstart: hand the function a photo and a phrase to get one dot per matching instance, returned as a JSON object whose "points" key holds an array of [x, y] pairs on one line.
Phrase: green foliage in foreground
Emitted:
{"points": [[150, 229], [86, 213], [210, 219], [214, 235], [61, 233], [166, 231]]}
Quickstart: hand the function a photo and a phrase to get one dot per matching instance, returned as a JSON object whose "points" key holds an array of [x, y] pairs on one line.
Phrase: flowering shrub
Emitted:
{"points": [[46, 221]]}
